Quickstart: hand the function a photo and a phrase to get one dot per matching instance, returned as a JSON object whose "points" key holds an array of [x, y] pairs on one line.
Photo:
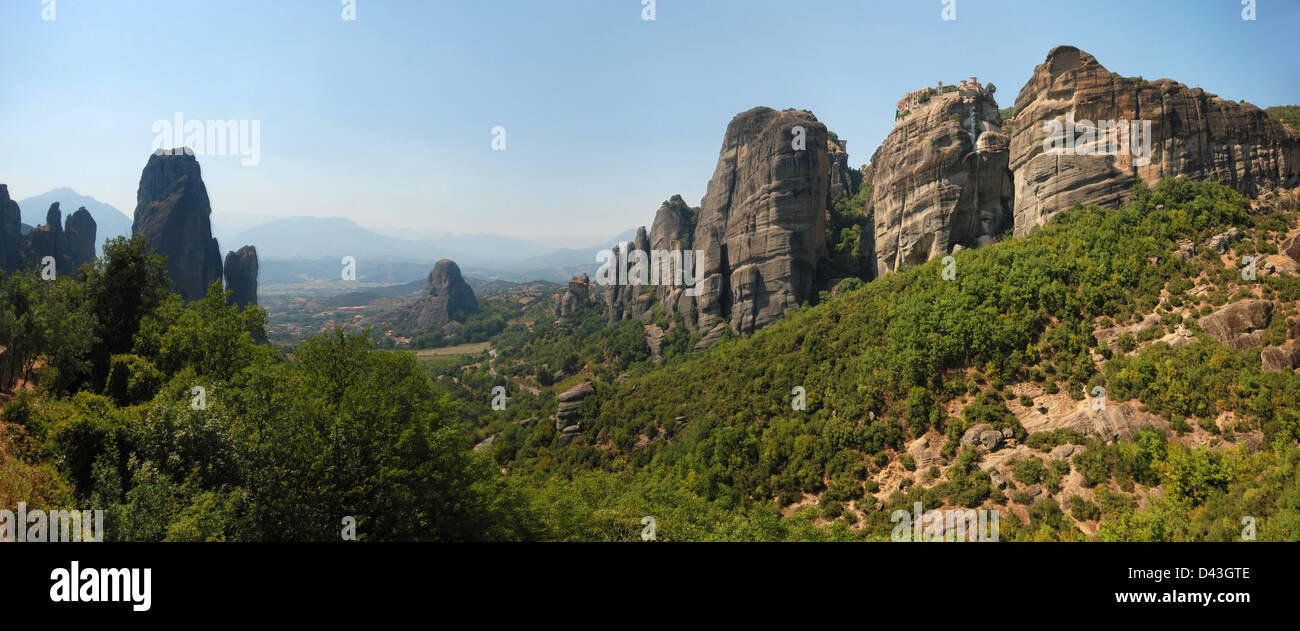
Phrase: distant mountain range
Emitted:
{"points": [[304, 249], [315, 237]]}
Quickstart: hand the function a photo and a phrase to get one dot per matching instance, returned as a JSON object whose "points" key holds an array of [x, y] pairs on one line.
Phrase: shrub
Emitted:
{"points": [[1029, 470], [131, 379], [1083, 510]]}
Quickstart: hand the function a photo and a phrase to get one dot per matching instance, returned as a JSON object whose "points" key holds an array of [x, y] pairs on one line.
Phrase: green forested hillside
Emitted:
{"points": [[913, 353]]}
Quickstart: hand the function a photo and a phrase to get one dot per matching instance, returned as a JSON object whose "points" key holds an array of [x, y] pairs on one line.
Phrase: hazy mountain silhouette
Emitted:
{"points": [[336, 237]]}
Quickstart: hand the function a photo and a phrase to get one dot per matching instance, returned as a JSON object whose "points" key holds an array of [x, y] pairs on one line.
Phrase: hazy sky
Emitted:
{"points": [[388, 119]]}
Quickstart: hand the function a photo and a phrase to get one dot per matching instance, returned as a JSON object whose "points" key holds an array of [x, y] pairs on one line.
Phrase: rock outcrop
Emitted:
{"points": [[1240, 324], [1193, 133], [940, 179], [762, 225], [1115, 421], [1291, 247], [79, 239], [673, 230], [46, 240], [925, 453], [1284, 357], [760, 232], [11, 255], [1223, 241], [241, 276], [566, 414], [630, 300], [71, 246], [654, 339], [577, 293], [841, 177], [172, 212], [447, 299]]}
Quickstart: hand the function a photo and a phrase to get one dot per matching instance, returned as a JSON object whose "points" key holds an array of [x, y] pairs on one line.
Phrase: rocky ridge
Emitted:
{"points": [[1193, 133]]}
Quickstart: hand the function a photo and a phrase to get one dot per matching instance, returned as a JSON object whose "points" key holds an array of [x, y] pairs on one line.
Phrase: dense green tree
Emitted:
{"points": [[122, 287]]}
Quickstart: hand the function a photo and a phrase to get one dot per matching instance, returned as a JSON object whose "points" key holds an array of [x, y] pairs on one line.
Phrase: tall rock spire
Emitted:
{"points": [[173, 213]]}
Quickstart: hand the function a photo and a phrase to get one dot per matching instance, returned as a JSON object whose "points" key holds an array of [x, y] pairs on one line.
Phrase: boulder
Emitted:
{"points": [[973, 436], [1061, 452], [1239, 324], [991, 439], [1291, 247], [991, 461], [1221, 242], [1284, 357]]}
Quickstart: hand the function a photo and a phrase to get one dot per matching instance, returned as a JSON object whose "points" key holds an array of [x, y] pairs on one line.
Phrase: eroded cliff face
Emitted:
{"points": [[11, 255], [940, 179], [949, 175], [173, 213], [1192, 133], [759, 236], [673, 230], [631, 299], [841, 179], [762, 226]]}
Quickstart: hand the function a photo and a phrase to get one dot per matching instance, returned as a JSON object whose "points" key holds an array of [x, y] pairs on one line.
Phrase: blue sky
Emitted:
{"points": [[387, 119]]}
